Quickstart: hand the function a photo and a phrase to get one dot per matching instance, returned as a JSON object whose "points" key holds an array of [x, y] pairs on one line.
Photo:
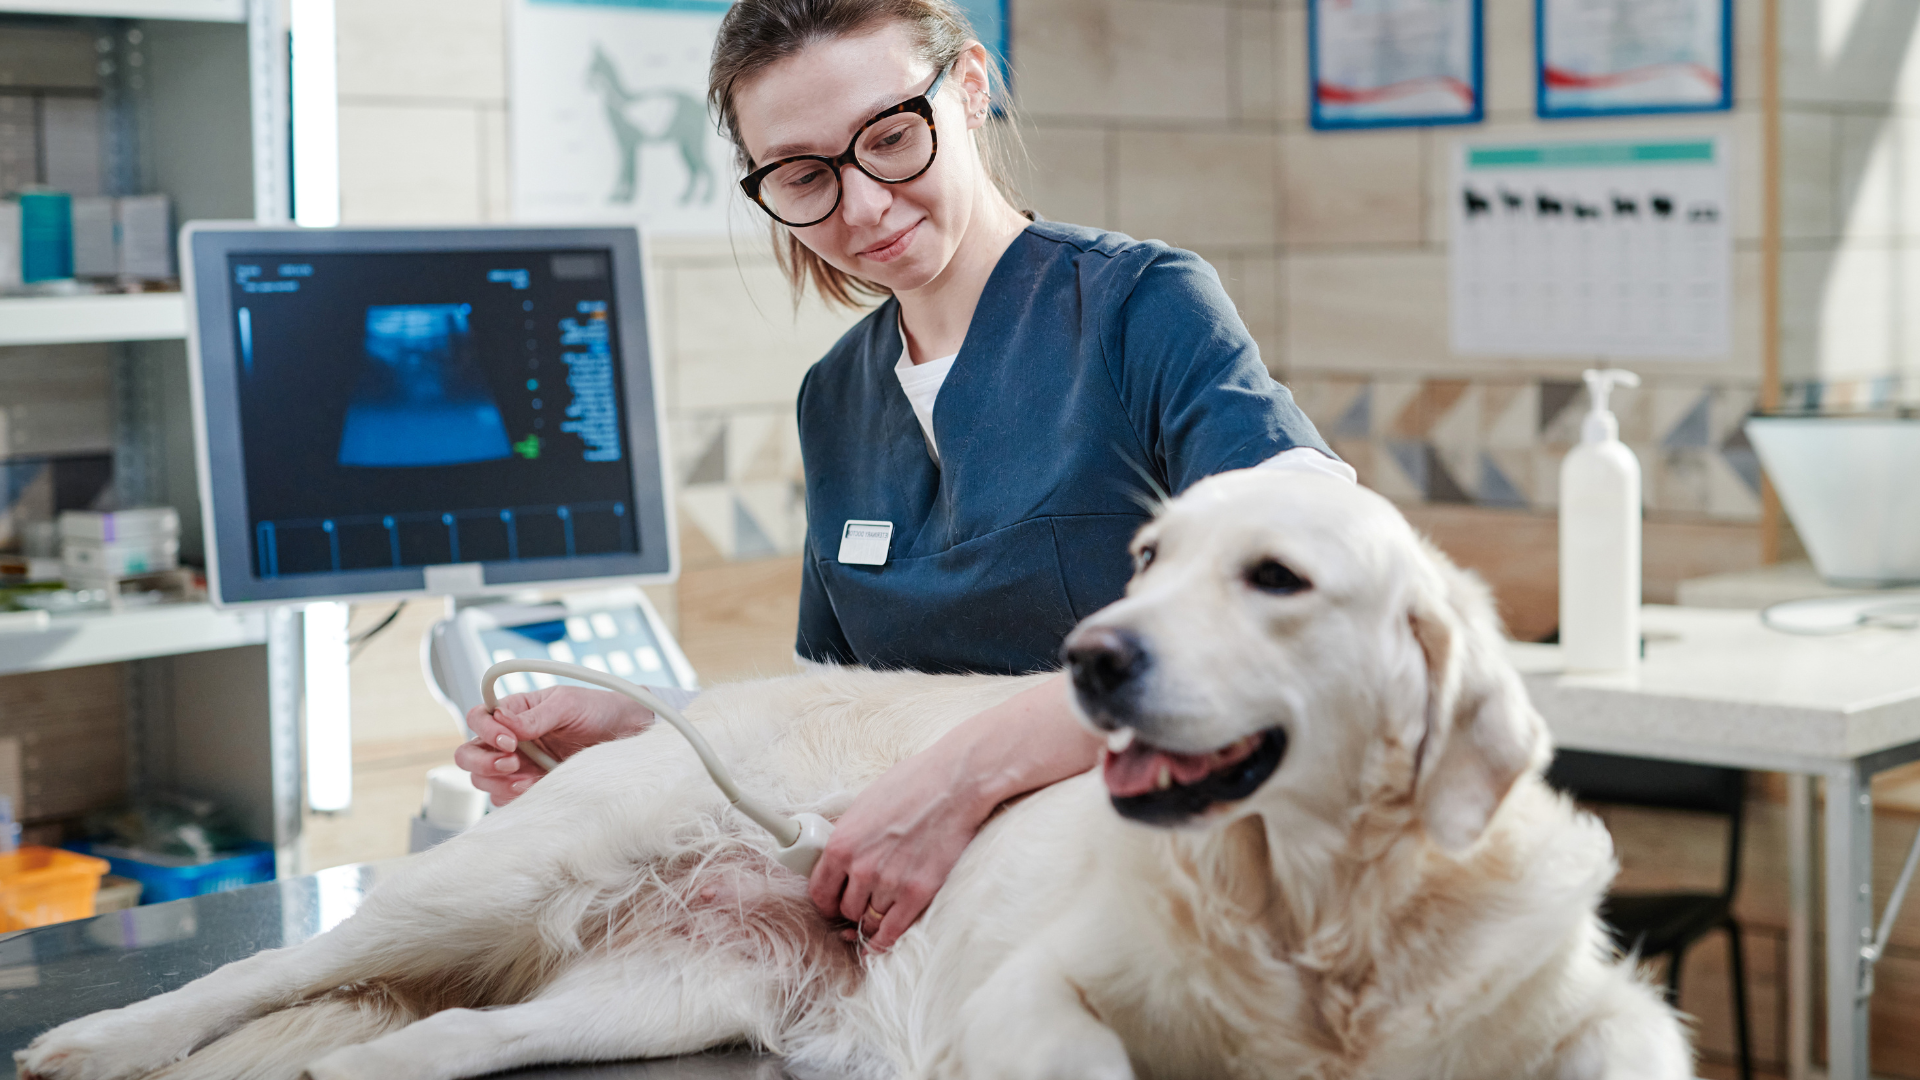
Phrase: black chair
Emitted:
{"points": [[1667, 924]]}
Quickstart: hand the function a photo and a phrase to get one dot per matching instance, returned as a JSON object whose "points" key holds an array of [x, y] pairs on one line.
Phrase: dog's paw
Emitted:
{"points": [[104, 1046]]}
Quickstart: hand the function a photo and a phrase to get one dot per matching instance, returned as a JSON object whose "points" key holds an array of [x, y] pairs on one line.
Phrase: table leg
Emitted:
{"points": [[1799, 925], [1849, 874]]}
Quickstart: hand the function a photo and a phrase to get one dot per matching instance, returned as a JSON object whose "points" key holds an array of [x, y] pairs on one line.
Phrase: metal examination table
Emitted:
{"points": [[56, 973]]}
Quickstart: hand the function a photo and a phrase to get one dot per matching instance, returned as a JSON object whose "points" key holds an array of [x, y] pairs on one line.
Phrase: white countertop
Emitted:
{"points": [[1718, 686]]}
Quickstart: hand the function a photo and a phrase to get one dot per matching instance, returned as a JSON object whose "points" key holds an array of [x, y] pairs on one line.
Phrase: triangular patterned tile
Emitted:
{"points": [[1356, 421], [1455, 437], [1556, 396], [768, 460], [747, 433], [1441, 485], [750, 541], [710, 508], [1730, 497], [1694, 430], [1415, 419], [711, 466], [691, 437], [1509, 415], [778, 510], [1496, 487], [1741, 458], [1400, 473], [1325, 398], [1388, 398], [1731, 407]]}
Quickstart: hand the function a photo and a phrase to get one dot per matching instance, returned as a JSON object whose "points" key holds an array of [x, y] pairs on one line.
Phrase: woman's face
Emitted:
{"points": [[898, 235]]}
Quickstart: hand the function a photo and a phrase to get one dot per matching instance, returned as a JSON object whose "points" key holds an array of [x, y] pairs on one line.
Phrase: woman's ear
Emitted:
{"points": [[1482, 733], [974, 70]]}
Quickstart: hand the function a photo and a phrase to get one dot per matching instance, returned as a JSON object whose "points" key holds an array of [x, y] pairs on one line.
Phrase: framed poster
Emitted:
{"points": [[609, 119], [1612, 248], [1622, 57], [1394, 63]]}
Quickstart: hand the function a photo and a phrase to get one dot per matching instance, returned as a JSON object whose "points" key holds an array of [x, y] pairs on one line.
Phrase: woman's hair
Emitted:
{"points": [[758, 33]]}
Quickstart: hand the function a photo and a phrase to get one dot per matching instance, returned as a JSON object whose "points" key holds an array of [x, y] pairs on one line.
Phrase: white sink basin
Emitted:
{"points": [[1851, 486]]}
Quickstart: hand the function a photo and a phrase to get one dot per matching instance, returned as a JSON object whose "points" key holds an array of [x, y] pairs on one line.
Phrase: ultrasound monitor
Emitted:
{"points": [[394, 411]]}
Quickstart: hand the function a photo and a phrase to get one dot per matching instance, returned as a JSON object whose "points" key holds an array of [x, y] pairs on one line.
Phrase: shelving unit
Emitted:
{"points": [[198, 10], [80, 640], [65, 320], [193, 99]]}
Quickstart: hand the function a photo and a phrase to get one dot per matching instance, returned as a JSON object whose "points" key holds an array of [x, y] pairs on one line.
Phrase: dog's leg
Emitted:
{"points": [[1029, 1021], [1634, 1036], [150, 1034], [606, 1009]]}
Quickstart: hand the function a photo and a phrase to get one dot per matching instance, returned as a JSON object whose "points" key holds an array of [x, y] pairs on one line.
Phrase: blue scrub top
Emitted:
{"points": [[1091, 359]]}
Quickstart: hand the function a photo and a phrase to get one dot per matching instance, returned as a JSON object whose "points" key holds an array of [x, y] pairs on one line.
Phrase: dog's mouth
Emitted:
{"points": [[1161, 787]]}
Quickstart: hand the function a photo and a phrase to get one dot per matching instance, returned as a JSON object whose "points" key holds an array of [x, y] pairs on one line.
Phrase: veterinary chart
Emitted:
{"points": [[609, 116], [1604, 57], [1376, 63], [1591, 249]]}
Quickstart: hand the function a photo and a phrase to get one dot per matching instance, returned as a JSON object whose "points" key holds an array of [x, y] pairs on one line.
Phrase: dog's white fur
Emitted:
{"points": [[1403, 898]]}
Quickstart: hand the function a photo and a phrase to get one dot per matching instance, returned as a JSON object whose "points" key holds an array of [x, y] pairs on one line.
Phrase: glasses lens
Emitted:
{"points": [[801, 191], [895, 148]]}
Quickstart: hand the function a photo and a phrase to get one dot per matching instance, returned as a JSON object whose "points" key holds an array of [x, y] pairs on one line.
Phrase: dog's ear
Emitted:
{"points": [[1481, 732]]}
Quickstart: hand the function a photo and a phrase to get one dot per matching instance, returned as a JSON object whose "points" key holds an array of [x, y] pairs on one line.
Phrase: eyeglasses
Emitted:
{"points": [[895, 146]]}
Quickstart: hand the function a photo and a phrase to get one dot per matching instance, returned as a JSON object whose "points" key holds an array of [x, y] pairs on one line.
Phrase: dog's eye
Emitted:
{"points": [[1269, 575], [1143, 559]]}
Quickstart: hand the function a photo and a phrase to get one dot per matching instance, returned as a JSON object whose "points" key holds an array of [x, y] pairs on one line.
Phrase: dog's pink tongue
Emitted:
{"points": [[1137, 769]]}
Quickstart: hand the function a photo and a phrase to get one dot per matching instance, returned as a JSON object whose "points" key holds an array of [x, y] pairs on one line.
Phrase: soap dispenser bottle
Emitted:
{"points": [[1600, 539]]}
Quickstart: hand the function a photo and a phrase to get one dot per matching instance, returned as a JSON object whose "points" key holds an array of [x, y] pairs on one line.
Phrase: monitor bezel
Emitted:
{"points": [[205, 246]]}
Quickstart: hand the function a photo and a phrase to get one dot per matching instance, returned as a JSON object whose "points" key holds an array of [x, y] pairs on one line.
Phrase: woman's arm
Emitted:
{"points": [[893, 849]]}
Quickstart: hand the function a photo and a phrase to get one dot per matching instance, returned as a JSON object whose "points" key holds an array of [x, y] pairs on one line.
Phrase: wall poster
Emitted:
{"points": [[610, 115], [1592, 249], [1381, 63], [1614, 57]]}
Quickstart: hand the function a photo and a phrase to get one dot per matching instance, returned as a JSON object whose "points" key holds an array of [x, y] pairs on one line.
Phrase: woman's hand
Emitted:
{"points": [[564, 720], [894, 847]]}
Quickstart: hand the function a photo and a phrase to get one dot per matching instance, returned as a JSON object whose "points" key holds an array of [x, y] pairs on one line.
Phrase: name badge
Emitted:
{"points": [[864, 543]]}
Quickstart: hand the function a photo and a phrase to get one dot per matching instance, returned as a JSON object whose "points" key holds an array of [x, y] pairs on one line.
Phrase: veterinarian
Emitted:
{"points": [[1074, 371]]}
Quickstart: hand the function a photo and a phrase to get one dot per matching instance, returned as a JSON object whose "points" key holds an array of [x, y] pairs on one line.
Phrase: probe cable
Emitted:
{"points": [[800, 839]]}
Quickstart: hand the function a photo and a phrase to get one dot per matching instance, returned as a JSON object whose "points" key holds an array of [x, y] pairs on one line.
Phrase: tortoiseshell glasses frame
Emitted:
{"points": [[920, 105]]}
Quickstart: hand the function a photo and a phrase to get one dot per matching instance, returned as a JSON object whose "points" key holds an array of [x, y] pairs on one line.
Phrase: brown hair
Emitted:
{"points": [[758, 33]]}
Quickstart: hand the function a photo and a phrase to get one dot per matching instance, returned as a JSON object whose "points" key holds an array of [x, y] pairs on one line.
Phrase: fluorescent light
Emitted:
{"points": [[316, 115], [329, 709]]}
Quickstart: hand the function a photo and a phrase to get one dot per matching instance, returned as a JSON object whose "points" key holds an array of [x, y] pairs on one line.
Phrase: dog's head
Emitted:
{"points": [[1289, 643]]}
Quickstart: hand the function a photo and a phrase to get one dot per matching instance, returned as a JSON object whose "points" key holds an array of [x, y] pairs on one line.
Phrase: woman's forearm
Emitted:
{"points": [[1026, 742]]}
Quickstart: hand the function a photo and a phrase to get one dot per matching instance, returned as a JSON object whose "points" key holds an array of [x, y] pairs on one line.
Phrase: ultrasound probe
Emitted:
{"points": [[801, 838]]}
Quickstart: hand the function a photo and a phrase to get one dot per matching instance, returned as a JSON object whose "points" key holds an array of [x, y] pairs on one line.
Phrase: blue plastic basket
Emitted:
{"points": [[176, 879]]}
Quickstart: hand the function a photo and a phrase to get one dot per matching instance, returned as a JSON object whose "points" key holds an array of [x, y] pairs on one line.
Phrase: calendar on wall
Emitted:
{"points": [[1592, 248]]}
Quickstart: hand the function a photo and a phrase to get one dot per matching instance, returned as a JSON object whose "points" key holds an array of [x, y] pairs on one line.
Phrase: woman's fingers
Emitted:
{"points": [[489, 731], [903, 914], [828, 881]]}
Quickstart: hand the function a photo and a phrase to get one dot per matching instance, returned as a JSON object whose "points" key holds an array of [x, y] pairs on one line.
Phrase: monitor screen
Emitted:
{"points": [[425, 400]]}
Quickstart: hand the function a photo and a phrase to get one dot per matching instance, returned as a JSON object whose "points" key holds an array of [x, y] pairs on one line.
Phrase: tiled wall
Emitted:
{"points": [[1851, 150], [1186, 120]]}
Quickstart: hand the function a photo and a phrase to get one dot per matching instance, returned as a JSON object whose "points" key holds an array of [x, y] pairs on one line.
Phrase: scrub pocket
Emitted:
{"points": [[997, 603], [1094, 564]]}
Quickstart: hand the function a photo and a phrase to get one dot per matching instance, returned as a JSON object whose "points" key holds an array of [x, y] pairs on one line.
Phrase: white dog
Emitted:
{"points": [[1333, 857]]}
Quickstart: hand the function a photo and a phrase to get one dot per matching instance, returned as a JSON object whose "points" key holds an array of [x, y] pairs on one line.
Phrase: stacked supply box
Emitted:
{"points": [[120, 543]]}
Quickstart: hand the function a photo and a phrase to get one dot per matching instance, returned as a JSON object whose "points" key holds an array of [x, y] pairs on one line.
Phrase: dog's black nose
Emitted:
{"points": [[1104, 661]]}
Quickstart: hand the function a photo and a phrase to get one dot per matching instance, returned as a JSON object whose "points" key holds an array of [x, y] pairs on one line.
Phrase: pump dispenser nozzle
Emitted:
{"points": [[1600, 425]]}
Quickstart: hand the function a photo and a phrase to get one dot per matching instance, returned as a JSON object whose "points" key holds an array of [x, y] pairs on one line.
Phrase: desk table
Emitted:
{"points": [[1718, 688]]}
